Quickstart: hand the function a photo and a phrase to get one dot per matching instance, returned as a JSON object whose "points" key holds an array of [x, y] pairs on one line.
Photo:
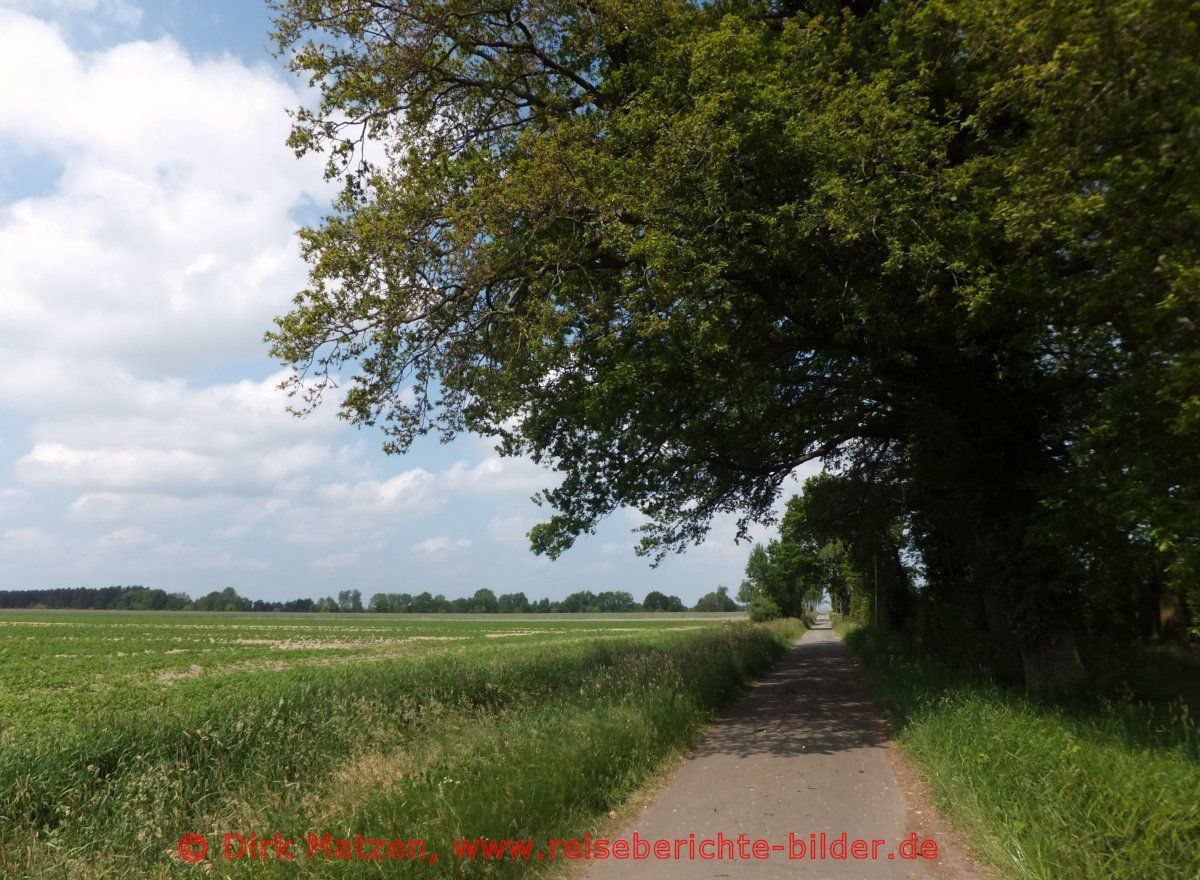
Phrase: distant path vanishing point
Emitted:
{"points": [[805, 752]]}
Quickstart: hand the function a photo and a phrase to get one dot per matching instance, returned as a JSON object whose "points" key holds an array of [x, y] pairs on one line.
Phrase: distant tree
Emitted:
{"points": [[718, 600], [140, 599], [381, 603], [656, 601], [222, 600], [484, 602], [350, 601], [541, 606], [615, 601], [784, 575], [327, 605], [513, 603], [584, 600]]}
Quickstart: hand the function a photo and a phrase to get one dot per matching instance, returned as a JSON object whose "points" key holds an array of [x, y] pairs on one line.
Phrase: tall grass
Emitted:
{"points": [[538, 742], [1094, 787]]}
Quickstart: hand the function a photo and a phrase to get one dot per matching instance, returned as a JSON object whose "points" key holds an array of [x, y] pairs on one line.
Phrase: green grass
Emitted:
{"points": [[114, 745], [1100, 786]]}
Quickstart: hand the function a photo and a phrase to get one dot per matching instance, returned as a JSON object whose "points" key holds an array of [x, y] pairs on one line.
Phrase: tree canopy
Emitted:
{"points": [[676, 249]]}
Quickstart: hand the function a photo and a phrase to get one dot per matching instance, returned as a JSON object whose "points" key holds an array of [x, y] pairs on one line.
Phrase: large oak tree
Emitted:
{"points": [[676, 249]]}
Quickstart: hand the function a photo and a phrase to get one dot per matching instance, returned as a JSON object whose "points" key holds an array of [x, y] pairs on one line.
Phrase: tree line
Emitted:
{"points": [[484, 601]]}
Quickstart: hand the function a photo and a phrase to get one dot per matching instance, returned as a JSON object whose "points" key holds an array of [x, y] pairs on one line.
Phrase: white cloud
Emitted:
{"points": [[442, 545], [164, 248], [512, 530], [190, 556], [11, 499], [407, 492], [168, 241], [496, 475], [419, 490], [109, 507], [127, 435], [118, 12], [122, 539], [26, 540]]}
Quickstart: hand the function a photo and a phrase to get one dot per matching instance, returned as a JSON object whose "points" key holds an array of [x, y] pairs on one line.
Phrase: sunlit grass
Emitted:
{"points": [[484, 737]]}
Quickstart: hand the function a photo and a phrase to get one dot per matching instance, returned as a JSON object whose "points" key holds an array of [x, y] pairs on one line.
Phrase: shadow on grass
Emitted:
{"points": [[1142, 697]]}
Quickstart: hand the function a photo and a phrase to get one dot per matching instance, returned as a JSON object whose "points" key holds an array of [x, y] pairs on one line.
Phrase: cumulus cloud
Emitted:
{"points": [[11, 499], [166, 436], [441, 545], [419, 490], [406, 492], [167, 241], [163, 249], [496, 475], [29, 539], [122, 539], [110, 507]]}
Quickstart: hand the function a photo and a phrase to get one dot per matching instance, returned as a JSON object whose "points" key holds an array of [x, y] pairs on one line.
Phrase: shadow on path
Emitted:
{"points": [[809, 703]]}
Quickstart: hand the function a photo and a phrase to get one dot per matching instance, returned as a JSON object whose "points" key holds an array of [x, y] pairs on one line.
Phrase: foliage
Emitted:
{"points": [[93, 598], [718, 600], [676, 249], [512, 603], [656, 601], [762, 607], [484, 601], [805, 562], [222, 600]]}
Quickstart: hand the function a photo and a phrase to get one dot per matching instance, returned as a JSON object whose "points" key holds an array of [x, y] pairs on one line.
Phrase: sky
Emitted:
{"points": [[148, 210]]}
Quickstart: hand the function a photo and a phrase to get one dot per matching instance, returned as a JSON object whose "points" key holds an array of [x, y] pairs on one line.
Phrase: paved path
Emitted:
{"points": [[803, 752]]}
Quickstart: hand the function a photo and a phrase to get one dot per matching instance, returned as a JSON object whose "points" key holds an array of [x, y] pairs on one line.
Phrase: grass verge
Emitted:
{"points": [[1093, 787]]}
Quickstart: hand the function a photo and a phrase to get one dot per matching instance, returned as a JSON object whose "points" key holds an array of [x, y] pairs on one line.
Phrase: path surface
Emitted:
{"points": [[803, 752]]}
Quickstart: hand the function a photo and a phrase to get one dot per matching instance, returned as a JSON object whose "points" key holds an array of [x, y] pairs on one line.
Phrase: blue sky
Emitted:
{"points": [[147, 217]]}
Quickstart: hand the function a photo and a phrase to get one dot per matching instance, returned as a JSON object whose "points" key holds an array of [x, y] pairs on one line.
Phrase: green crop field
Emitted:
{"points": [[120, 733]]}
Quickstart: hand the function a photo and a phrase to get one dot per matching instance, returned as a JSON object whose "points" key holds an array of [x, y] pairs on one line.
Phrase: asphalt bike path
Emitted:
{"points": [[803, 753]]}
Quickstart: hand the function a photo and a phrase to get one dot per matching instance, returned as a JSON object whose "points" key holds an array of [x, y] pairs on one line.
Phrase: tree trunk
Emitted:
{"points": [[1172, 615], [1054, 664], [998, 623]]}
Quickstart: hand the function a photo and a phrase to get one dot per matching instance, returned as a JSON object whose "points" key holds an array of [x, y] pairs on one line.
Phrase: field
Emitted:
{"points": [[122, 732]]}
